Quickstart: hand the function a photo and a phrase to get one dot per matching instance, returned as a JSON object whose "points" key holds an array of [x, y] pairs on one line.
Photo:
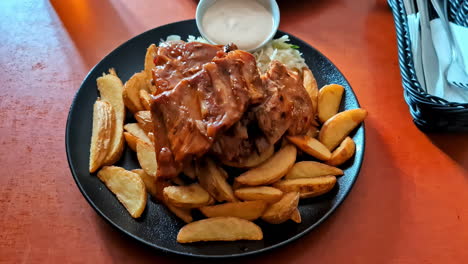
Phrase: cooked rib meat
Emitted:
{"points": [[176, 60], [287, 106], [189, 116], [239, 142], [235, 144], [213, 99]]}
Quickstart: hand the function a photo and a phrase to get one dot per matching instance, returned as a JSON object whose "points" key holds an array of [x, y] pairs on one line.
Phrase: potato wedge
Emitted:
{"points": [[155, 189], [254, 160], [147, 157], [137, 131], [110, 87], [131, 91], [311, 146], [151, 137], [237, 185], [151, 52], [213, 179], [145, 100], [103, 124], [144, 120], [282, 210], [191, 196], [310, 84], [127, 186], [131, 140], [153, 185], [249, 210], [149, 181], [343, 152], [311, 169], [272, 169], [329, 101], [183, 213], [339, 126], [219, 229], [307, 187], [296, 216], [263, 193]]}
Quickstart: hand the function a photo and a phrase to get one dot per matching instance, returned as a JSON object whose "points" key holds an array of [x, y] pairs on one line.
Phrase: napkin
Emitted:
{"points": [[432, 53]]}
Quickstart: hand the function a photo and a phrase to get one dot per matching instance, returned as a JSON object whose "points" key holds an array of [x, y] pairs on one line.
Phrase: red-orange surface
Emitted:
{"points": [[409, 204]]}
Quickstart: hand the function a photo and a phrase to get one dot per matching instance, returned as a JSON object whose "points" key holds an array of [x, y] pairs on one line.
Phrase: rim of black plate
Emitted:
{"points": [[358, 159]]}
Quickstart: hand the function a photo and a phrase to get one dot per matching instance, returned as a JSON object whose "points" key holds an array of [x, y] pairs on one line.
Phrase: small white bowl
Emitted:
{"points": [[270, 5]]}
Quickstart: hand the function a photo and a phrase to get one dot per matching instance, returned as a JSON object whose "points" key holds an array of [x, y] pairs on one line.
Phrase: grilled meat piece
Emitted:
{"points": [[189, 116], [210, 99], [176, 60], [287, 107]]}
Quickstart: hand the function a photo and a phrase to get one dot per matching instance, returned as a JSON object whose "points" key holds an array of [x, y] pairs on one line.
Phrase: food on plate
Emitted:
{"points": [[198, 114], [131, 91], [282, 210], [271, 170], [131, 140], [263, 193], [103, 122], [219, 229], [137, 131], [191, 196], [155, 190], [236, 185], [183, 213], [310, 84], [296, 216], [149, 66], [249, 210], [312, 132], [343, 152], [189, 170], [202, 108], [311, 146], [213, 179], [149, 181], [145, 99], [329, 101], [151, 137], [307, 187], [144, 120], [339, 126], [288, 108], [279, 50], [110, 88], [311, 169], [160, 184], [178, 181], [253, 160], [127, 186], [147, 157]]}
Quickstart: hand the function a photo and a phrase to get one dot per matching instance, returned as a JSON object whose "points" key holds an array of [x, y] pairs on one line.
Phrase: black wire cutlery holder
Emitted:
{"points": [[430, 113]]}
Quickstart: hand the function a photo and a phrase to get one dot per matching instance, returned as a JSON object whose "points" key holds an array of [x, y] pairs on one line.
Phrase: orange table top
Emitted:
{"points": [[409, 204]]}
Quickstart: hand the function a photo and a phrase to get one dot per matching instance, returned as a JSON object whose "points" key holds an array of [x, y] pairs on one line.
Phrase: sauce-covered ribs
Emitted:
{"points": [[211, 99]]}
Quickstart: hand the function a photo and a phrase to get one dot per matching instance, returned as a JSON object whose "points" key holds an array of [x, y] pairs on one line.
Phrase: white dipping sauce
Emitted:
{"points": [[245, 23]]}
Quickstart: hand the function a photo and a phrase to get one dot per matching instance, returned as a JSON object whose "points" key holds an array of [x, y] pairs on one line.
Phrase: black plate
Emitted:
{"points": [[157, 227]]}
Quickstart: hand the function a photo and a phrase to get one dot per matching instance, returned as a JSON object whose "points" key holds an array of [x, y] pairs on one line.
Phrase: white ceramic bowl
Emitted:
{"points": [[270, 5]]}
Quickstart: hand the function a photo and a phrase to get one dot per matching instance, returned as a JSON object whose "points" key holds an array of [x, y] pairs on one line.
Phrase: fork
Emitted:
{"points": [[459, 84], [455, 66]]}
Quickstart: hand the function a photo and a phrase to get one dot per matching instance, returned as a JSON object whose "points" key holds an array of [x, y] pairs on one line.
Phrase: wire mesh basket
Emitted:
{"points": [[429, 112]]}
